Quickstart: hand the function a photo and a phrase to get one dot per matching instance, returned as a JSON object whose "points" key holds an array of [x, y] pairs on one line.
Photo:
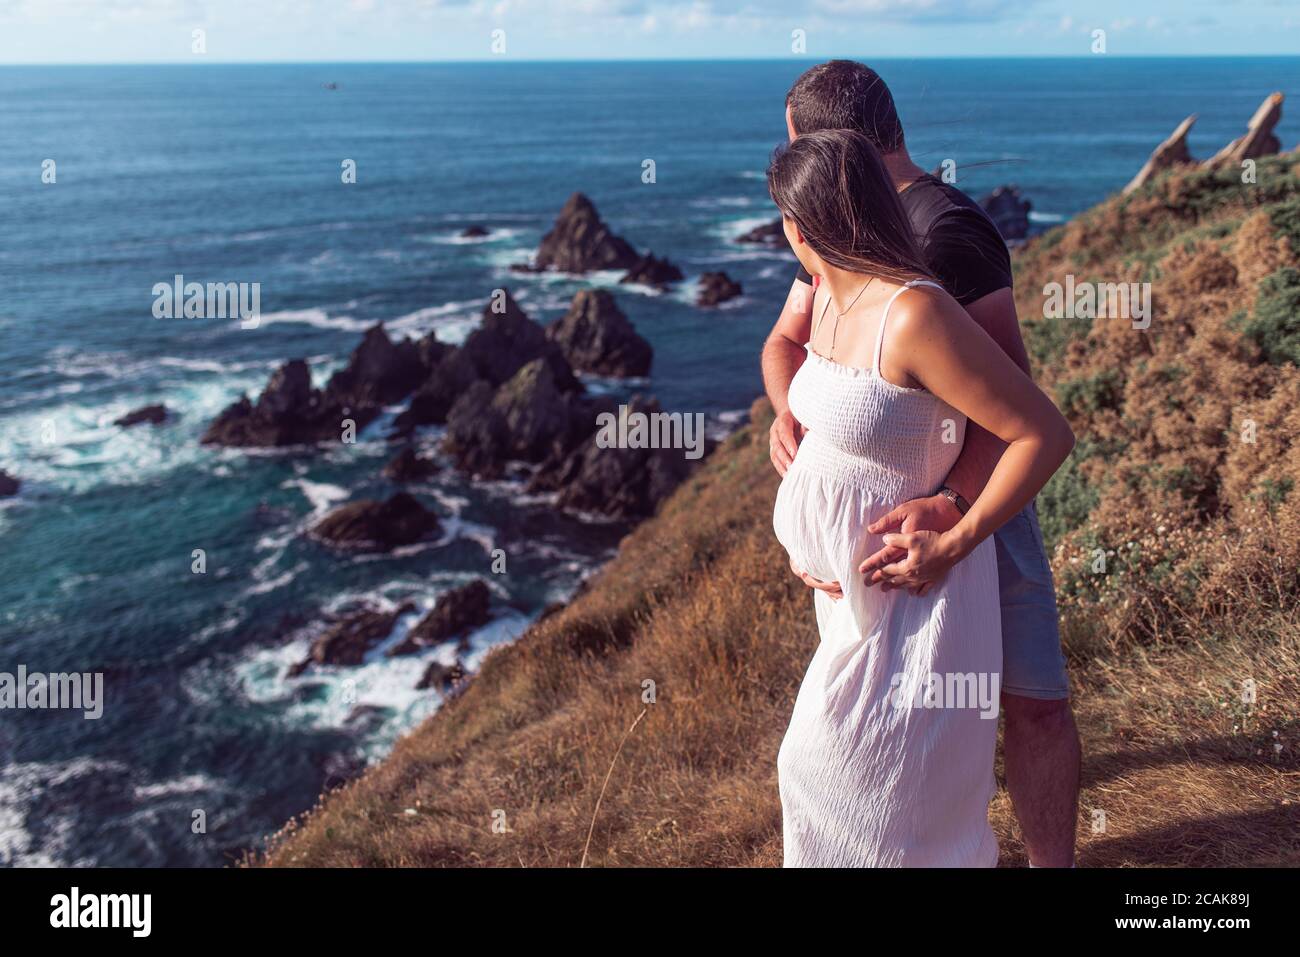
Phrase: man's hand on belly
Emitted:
{"points": [[912, 557], [783, 441]]}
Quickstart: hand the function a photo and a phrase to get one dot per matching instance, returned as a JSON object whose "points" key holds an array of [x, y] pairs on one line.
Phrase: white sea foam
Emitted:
{"points": [[24, 786], [378, 682], [316, 318], [320, 495], [76, 446]]}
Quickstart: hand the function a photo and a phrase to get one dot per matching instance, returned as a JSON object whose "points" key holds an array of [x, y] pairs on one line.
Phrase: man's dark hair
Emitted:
{"points": [[845, 95]]}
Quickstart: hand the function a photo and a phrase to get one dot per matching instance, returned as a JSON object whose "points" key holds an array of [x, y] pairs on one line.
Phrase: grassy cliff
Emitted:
{"points": [[1176, 539]]}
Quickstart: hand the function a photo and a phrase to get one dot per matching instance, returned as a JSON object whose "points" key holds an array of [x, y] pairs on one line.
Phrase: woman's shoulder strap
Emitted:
{"points": [[884, 316]]}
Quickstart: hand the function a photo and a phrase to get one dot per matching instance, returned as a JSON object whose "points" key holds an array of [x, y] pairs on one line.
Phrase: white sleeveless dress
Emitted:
{"points": [[884, 764]]}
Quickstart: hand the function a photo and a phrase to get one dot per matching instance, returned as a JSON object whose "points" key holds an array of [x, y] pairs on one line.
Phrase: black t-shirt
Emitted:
{"points": [[961, 245]]}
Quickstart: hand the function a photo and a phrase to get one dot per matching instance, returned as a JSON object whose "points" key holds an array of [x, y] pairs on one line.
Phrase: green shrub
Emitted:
{"points": [[1275, 326], [1090, 393]]}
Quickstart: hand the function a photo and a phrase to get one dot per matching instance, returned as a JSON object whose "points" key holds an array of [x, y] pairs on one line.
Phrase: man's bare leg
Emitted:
{"points": [[1041, 754]]}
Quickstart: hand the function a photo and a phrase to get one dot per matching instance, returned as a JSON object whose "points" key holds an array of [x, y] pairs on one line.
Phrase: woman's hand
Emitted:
{"points": [[927, 565], [831, 588], [927, 557]]}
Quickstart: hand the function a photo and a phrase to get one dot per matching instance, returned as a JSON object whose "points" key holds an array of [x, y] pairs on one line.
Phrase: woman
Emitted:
{"points": [[888, 760]]}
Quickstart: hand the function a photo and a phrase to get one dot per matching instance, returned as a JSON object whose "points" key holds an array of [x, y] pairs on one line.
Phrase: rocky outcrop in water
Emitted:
{"points": [[596, 337], [454, 615], [447, 381], [523, 420], [8, 484], [440, 677], [624, 483], [581, 242], [715, 288], [473, 232], [369, 525], [347, 640], [379, 371], [507, 340], [1009, 212], [290, 411], [409, 466], [153, 414], [650, 270], [769, 234]]}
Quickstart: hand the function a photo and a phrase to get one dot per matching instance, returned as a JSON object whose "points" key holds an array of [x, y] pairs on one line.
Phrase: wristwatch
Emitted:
{"points": [[958, 502]]}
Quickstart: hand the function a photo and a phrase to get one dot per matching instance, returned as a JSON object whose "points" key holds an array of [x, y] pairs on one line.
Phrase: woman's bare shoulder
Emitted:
{"points": [[923, 310]]}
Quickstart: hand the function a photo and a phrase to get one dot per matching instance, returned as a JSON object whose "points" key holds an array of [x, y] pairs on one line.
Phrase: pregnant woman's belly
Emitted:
{"points": [[822, 513]]}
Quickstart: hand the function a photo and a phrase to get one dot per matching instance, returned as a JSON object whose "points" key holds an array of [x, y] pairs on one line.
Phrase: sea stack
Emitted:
{"points": [[581, 242], [596, 337], [716, 288]]}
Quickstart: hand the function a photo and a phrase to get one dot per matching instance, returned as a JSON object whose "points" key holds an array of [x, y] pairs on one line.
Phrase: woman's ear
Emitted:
{"points": [[793, 234]]}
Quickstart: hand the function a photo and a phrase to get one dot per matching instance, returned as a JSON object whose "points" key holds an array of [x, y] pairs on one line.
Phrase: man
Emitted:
{"points": [[966, 253]]}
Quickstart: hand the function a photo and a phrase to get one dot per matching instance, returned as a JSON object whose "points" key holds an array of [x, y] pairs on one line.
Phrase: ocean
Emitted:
{"points": [[233, 174]]}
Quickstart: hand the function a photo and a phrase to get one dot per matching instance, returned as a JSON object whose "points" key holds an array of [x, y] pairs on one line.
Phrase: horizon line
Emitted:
{"points": [[199, 59]]}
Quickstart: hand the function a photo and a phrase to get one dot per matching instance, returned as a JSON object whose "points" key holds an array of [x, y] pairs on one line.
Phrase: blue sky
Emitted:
{"points": [[156, 31]]}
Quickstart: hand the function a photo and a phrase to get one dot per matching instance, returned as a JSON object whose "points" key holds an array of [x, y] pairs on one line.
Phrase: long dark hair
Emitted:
{"points": [[835, 187]]}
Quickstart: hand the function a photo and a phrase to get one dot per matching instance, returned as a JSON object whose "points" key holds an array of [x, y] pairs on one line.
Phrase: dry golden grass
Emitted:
{"points": [[1202, 545]]}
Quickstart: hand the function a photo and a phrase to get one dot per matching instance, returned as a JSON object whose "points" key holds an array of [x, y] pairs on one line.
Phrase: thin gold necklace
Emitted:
{"points": [[835, 329]]}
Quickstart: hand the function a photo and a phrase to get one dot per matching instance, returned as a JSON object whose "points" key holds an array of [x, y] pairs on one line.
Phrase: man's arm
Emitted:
{"points": [[783, 354]]}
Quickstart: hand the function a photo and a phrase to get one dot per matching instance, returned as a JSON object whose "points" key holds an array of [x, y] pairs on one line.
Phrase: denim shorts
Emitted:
{"points": [[1032, 663]]}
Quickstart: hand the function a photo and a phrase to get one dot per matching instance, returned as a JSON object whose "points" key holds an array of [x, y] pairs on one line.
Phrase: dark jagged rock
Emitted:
{"points": [[370, 525], [8, 484], [580, 242], [291, 412], [346, 641], [596, 337], [650, 270], [717, 287], [524, 420], [769, 234], [379, 372], [456, 614], [288, 412], [1009, 212], [431, 351], [409, 466], [153, 414], [507, 340], [617, 482], [448, 380], [473, 232], [441, 677]]}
